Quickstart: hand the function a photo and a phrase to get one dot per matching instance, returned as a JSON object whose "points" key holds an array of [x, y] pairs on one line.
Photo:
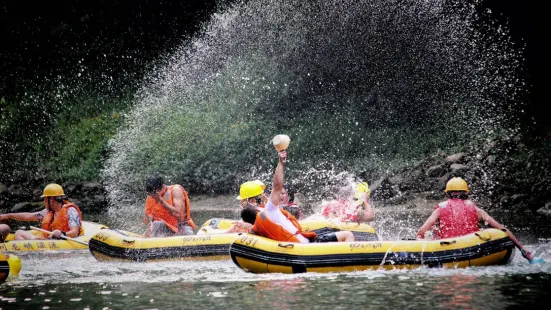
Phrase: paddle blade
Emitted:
{"points": [[537, 260]]}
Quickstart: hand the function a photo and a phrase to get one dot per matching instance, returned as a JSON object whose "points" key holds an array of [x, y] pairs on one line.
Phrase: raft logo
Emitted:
{"points": [[363, 245], [196, 239], [101, 237]]}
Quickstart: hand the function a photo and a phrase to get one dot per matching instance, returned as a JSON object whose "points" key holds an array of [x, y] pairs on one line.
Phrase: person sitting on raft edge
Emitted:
{"points": [[60, 216], [459, 216], [277, 224], [167, 209]]}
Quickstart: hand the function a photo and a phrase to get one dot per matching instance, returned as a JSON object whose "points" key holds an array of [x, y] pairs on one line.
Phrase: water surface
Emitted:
{"points": [[77, 281]]}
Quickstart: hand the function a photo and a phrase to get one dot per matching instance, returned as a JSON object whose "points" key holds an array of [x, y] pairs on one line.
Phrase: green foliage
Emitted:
{"points": [[48, 136], [81, 147]]}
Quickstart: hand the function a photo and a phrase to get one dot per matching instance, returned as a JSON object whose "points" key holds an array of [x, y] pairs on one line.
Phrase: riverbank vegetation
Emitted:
{"points": [[49, 137]]}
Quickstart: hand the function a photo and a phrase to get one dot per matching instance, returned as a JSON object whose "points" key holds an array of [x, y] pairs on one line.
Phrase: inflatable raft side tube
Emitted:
{"points": [[4, 268], [431, 259], [145, 254]]}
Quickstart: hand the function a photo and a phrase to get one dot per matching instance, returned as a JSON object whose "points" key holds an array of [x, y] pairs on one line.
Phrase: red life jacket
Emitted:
{"points": [[156, 210], [265, 227], [60, 220], [340, 209], [458, 217]]}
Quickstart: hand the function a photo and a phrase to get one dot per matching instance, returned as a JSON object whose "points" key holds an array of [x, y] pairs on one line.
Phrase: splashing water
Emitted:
{"points": [[358, 85]]}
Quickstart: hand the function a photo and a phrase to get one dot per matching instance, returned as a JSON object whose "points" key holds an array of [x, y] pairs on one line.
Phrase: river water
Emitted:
{"points": [[78, 281]]}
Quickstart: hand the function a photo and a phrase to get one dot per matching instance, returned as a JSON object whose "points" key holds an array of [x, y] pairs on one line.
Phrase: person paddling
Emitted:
{"points": [[459, 216], [61, 217]]}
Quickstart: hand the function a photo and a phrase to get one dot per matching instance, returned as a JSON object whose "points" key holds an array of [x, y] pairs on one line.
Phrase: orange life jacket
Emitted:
{"points": [[156, 210], [60, 220], [263, 226]]}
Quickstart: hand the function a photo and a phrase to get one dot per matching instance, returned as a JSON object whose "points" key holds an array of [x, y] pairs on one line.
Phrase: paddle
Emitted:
{"points": [[62, 236], [534, 260]]}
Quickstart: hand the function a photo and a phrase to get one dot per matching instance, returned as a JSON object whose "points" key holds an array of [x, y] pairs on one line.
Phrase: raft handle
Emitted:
{"points": [[128, 241], [288, 245], [482, 237], [447, 242]]}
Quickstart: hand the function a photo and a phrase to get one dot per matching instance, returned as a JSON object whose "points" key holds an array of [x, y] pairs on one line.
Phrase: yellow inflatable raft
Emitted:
{"points": [[362, 232], [114, 245], [10, 265], [11, 245], [261, 255], [209, 244]]}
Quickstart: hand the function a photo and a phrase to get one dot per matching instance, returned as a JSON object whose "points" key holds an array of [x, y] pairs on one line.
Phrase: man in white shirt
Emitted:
{"points": [[275, 224]]}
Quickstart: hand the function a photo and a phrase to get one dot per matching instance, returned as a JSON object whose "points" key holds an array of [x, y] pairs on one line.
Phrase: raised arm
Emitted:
{"points": [[178, 199], [277, 185], [180, 207]]}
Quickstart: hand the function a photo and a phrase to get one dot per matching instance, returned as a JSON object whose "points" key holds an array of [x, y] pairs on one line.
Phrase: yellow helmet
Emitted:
{"points": [[52, 190], [262, 185], [456, 184], [250, 189], [361, 189]]}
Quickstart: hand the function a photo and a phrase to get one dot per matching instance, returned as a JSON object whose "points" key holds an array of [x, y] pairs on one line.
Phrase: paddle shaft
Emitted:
{"points": [[62, 236]]}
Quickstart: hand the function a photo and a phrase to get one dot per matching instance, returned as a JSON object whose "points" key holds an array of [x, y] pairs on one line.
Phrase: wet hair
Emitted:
{"points": [[153, 183], [290, 193], [457, 194], [248, 214], [294, 210], [258, 199]]}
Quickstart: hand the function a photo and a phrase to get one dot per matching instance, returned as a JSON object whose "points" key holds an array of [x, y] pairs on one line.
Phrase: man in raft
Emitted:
{"points": [[60, 216], [277, 224], [167, 209], [288, 203], [251, 193], [458, 216]]}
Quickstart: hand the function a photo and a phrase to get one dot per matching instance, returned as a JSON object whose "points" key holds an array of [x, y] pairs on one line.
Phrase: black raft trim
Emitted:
{"points": [[141, 255], [431, 259]]}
